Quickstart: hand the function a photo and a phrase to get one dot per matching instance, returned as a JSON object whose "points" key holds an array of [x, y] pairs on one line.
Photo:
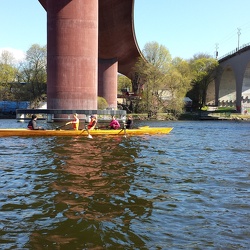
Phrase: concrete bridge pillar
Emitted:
{"points": [[239, 81], [107, 80], [217, 88], [72, 50]]}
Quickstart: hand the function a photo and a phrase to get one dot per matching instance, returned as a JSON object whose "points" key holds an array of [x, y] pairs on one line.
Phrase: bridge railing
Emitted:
{"points": [[234, 51], [50, 114]]}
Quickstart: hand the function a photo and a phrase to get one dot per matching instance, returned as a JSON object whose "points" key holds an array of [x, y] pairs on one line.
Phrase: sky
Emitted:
{"points": [[184, 27]]}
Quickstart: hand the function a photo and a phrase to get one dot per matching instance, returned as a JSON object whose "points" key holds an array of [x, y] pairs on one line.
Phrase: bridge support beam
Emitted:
{"points": [[107, 81], [72, 50], [239, 82]]}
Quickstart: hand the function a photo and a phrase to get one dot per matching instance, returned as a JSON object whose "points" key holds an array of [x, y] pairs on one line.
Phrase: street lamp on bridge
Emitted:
{"points": [[239, 33]]}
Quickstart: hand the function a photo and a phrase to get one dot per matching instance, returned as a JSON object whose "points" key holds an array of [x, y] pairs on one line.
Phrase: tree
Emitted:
{"points": [[177, 84], [157, 55], [164, 82], [102, 103], [151, 70], [124, 83], [33, 73], [7, 58], [203, 69], [7, 75]]}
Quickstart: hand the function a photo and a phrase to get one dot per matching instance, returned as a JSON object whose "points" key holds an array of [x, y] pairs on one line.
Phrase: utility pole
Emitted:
{"points": [[239, 33], [216, 50]]}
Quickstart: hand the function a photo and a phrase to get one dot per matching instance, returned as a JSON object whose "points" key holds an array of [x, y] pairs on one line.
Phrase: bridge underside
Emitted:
{"points": [[116, 34], [88, 41]]}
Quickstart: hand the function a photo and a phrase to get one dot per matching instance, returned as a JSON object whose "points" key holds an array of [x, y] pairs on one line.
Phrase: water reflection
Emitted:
{"points": [[92, 205], [189, 189]]}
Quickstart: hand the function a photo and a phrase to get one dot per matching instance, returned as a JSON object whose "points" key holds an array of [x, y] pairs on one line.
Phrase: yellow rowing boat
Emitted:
{"points": [[137, 131]]}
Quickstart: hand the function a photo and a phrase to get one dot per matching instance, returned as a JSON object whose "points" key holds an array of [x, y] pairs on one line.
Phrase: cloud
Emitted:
{"points": [[19, 55]]}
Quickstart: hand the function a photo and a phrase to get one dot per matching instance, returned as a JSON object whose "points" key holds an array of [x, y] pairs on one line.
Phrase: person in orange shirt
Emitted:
{"points": [[75, 122]]}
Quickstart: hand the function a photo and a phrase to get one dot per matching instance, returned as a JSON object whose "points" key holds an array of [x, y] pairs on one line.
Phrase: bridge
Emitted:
{"points": [[88, 42], [231, 87]]}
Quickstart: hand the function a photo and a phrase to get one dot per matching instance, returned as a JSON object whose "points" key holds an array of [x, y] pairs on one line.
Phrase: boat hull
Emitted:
{"points": [[139, 131]]}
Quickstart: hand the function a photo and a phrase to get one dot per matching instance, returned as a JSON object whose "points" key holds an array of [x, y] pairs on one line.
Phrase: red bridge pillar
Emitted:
{"points": [[107, 81], [72, 47]]}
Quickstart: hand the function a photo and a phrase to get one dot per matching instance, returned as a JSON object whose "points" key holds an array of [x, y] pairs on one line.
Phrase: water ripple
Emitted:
{"points": [[186, 190]]}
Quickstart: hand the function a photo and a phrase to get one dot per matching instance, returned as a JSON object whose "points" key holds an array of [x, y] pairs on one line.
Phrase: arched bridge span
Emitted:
{"points": [[232, 84]]}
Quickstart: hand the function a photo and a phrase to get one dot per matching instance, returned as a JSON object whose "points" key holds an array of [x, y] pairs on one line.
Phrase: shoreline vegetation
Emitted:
{"points": [[199, 115]]}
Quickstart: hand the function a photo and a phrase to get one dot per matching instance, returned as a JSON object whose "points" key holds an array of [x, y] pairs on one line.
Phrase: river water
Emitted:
{"points": [[189, 189]]}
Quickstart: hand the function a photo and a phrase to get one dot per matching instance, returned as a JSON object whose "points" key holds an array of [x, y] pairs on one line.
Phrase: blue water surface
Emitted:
{"points": [[185, 190]]}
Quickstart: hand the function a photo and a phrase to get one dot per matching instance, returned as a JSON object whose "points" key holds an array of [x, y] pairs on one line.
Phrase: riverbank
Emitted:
{"points": [[200, 115], [7, 116], [192, 116]]}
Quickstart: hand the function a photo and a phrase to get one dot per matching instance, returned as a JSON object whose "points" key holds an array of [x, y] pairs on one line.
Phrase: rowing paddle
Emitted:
{"points": [[101, 127], [124, 129], [57, 128]]}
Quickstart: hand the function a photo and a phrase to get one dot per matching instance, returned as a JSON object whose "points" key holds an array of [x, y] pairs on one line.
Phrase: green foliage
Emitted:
{"points": [[157, 55], [102, 103], [7, 76], [204, 69], [204, 108], [27, 81], [124, 83], [33, 73], [163, 82]]}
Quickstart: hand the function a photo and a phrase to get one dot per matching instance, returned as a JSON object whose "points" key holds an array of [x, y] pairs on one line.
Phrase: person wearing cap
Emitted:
{"points": [[114, 124], [32, 124], [75, 122], [92, 122]]}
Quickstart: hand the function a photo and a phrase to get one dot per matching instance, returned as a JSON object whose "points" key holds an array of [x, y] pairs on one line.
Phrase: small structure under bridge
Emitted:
{"points": [[53, 115]]}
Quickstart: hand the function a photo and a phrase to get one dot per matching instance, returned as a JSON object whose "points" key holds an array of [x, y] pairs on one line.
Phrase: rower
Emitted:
{"points": [[114, 124], [75, 122], [129, 122], [32, 124], [92, 122]]}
